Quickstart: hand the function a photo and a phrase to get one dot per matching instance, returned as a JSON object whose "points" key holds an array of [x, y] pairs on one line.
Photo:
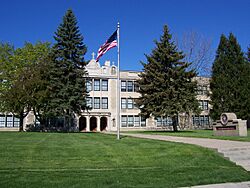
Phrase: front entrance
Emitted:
{"points": [[82, 124], [104, 123], [93, 123]]}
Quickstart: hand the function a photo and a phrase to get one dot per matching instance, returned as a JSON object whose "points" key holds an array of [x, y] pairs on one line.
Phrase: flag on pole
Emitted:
{"points": [[110, 43]]}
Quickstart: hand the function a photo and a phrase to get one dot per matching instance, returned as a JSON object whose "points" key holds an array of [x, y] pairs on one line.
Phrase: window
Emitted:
{"points": [[130, 86], [89, 102], [158, 121], [124, 121], [164, 121], [202, 90], [9, 121], [89, 85], [206, 120], [37, 123], [136, 86], [130, 103], [104, 85], [123, 86], [17, 122], [143, 122], [96, 102], [200, 104], [124, 103], [2, 120], [196, 120], [130, 121], [97, 85], [201, 120], [104, 103], [203, 105], [136, 121]]}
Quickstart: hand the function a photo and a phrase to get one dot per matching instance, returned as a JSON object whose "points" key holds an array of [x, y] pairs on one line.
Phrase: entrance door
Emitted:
{"points": [[104, 123], [82, 124], [93, 123]]}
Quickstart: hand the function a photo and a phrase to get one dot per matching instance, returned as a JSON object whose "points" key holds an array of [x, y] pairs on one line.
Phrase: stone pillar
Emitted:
{"points": [[98, 123], [87, 123]]}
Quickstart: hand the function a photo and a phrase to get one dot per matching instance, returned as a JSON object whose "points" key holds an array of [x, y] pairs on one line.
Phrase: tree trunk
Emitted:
{"points": [[21, 122], [175, 119]]}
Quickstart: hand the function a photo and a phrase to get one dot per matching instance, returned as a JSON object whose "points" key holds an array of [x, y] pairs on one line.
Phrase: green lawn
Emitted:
{"points": [[98, 160], [198, 134]]}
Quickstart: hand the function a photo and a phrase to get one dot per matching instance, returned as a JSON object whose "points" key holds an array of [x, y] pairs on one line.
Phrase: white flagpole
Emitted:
{"points": [[118, 122]]}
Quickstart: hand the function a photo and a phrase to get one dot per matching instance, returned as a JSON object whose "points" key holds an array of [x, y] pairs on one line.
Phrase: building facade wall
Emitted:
{"points": [[102, 100]]}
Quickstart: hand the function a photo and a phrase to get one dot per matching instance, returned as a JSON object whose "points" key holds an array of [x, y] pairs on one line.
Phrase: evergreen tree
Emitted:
{"points": [[67, 76], [228, 77], [248, 54], [166, 87]]}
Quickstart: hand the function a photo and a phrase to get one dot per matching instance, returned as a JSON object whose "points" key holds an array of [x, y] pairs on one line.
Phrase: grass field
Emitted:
{"points": [[98, 160], [197, 134]]}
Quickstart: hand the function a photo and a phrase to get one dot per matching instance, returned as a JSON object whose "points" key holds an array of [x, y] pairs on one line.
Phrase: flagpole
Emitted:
{"points": [[118, 82]]}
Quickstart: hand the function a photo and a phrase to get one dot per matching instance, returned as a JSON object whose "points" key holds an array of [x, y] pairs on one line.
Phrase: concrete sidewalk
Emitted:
{"points": [[236, 151], [225, 185]]}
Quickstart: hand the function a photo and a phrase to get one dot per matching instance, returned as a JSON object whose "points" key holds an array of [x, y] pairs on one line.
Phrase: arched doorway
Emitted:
{"points": [[104, 123], [82, 123], [93, 123]]}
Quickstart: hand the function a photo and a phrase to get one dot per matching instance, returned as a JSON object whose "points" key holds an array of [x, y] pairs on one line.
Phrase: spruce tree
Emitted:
{"points": [[228, 77], [166, 87], [68, 75]]}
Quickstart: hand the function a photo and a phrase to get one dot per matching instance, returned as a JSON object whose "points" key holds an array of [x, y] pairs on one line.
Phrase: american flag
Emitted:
{"points": [[110, 43]]}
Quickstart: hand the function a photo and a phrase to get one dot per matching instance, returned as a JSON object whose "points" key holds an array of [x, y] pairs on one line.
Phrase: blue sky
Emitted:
{"points": [[141, 22]]}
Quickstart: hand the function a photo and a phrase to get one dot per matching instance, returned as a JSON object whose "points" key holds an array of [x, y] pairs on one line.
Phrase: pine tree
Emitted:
{"points": [[166, 87], [67, 76], [227, 78]]}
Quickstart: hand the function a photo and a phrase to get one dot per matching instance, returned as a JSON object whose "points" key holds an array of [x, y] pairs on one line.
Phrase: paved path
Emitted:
{"points": [[236, 151], [225, 185]]}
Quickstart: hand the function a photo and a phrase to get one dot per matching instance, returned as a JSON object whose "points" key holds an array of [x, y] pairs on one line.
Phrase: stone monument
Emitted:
{"points": [[229, 125]]}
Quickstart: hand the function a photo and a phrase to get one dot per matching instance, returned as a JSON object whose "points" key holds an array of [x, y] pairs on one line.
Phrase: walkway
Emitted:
{"points": [[236, 151], [225, 185]]}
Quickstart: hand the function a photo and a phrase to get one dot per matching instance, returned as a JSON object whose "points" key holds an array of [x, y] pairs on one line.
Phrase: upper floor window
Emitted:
{"points": [[136, 86], [130, 103], [123, 103], [89, 102], [202, 89], [203, 104], [123, 86], [129, 86], [104, 103], [97, 85], [96, 102], [89, 85], [104, 85]]}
